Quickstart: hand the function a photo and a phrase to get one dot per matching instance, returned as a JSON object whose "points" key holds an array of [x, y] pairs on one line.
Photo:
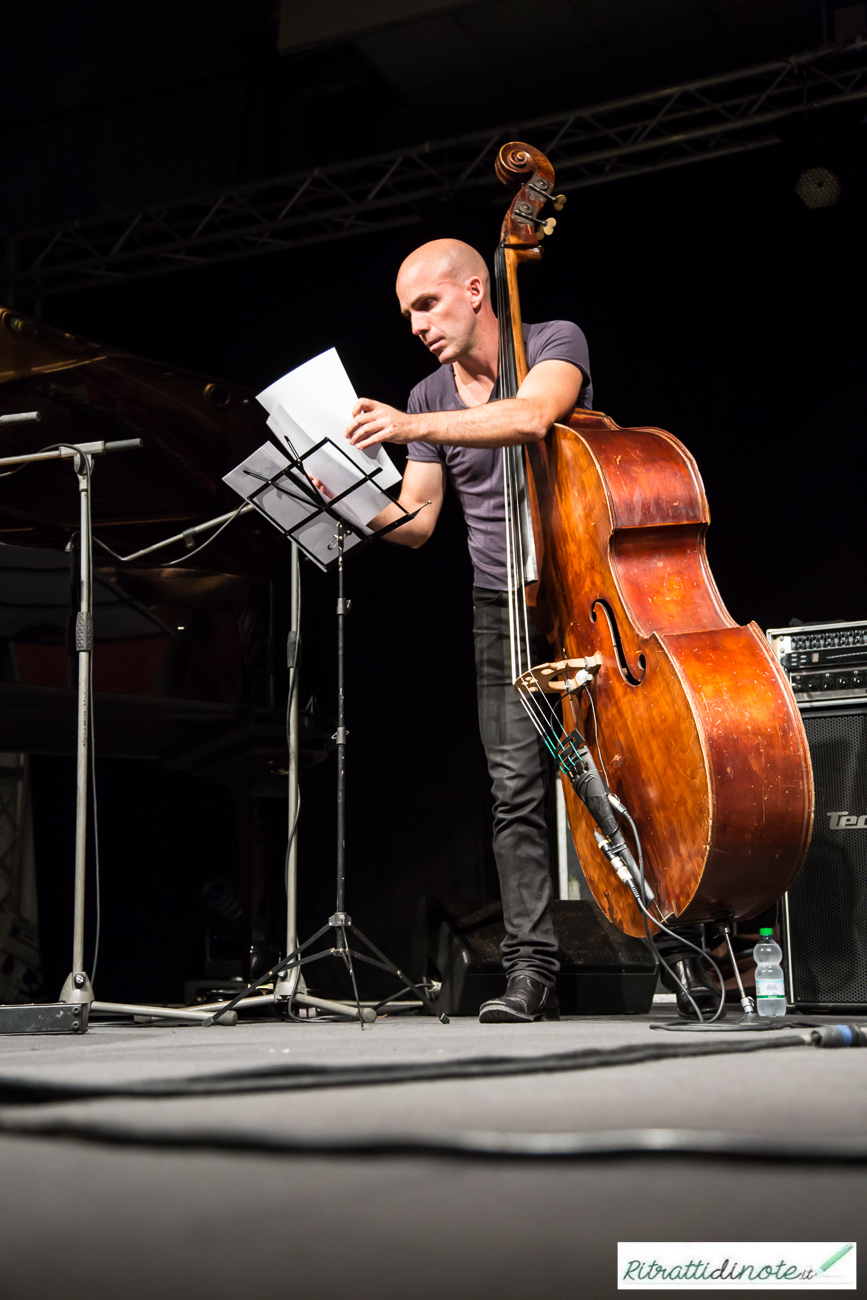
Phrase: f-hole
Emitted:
{"points": [[625, 671]]}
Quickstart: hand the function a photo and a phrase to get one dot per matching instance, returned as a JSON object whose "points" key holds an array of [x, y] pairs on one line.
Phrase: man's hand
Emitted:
{"points": [[374, 422]]}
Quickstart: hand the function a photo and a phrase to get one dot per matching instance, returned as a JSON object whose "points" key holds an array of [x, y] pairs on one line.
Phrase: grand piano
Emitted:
{"points": [[189, 680]]}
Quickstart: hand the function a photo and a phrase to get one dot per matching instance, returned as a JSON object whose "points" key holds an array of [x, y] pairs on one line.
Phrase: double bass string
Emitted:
{"points": [[515, 558], [515, 553], [538, 707], [503, 378]]}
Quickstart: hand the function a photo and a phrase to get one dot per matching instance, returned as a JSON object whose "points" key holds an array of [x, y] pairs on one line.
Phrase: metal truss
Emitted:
{"points": [[711, 118]]}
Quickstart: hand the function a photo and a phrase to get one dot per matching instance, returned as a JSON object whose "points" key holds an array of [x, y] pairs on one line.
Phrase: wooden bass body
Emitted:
{"points": [[698, 729]]}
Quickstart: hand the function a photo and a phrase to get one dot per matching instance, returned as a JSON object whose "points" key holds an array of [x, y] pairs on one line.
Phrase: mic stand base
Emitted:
{"points": [[338, 924]]}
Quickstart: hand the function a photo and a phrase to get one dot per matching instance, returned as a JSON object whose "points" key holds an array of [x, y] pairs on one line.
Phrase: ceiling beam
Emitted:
{"points": [[711, 118]]}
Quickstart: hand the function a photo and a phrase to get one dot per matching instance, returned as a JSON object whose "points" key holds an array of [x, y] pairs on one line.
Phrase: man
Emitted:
{"points": [[455, 427]]}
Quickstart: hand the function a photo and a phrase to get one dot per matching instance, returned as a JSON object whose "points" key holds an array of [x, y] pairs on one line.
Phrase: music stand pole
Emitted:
{"points": [[343, 608], [287, 987]]}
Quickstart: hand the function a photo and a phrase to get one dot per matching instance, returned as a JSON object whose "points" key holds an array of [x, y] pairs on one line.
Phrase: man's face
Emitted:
{"points": [[440, 312]]}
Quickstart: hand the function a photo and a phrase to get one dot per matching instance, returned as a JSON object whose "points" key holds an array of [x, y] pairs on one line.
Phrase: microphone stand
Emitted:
{"points": [[77, 997]]}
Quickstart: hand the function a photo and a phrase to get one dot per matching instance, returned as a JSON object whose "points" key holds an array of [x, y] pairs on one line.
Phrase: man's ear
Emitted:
{"points": [[476, 290]]}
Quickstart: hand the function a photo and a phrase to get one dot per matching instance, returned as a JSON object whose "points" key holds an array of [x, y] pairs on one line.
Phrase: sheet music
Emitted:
{"points": [[313, 402]]}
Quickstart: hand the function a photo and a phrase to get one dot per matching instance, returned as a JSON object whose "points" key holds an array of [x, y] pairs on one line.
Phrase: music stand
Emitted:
{"points": [[288, 492]]}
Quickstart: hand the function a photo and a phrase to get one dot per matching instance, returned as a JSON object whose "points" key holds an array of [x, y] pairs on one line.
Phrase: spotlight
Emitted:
{"points": [[818, 187]]}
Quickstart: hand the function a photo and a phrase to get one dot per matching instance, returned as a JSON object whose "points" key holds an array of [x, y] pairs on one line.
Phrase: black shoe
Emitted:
{"points": [[525, 999], [691, 973]]}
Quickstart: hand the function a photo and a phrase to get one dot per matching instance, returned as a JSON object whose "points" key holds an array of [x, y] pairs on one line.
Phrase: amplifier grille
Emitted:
{"points": [[828, 902]]}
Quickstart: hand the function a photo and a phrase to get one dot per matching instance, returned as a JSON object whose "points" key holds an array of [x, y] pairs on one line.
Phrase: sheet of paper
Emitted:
{"points": [[319, 397], [331, 468], [285, 503]]}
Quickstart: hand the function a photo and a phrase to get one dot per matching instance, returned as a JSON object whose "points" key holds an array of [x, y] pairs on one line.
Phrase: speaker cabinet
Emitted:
{"points": [[825, 911], [602, 971]]}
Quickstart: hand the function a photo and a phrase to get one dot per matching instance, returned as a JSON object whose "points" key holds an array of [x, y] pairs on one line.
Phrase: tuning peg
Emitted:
{"points": [[546, 227], [559, 202]]}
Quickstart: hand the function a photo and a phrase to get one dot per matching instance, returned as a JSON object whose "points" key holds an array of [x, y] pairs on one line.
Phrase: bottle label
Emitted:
{"points": [[770, 989]]}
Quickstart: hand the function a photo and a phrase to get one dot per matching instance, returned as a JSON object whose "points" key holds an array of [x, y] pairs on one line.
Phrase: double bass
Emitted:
{"points": [[687, 714]]}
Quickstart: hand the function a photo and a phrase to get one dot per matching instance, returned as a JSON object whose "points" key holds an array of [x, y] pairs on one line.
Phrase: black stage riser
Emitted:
{"points": [[603, 972]]}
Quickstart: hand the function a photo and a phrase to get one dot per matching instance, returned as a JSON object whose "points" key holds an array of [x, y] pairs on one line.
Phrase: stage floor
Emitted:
{"points": [[89, 1221]]}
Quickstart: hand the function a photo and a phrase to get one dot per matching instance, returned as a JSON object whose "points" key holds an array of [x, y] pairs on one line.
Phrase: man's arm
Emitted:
{"points": [[548, 394], [423, 480]]}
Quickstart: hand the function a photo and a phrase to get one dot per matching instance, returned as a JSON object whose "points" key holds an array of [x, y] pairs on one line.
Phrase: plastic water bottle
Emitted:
{"points": [[770, 984]]}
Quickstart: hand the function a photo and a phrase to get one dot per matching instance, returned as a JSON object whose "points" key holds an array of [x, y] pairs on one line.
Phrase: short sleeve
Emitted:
{"points": [[424, 451], [421, 450], [559, 340]]}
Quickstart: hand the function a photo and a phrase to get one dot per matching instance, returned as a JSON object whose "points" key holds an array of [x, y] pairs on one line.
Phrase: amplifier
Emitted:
{"points": [[825, 911], [825, 662]]}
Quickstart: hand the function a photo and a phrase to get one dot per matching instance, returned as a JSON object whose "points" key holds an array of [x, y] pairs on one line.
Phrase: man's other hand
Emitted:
{"points": [[374, 422]]}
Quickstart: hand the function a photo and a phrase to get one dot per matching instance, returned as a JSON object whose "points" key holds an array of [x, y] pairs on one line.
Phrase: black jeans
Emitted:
{"points": [[521, 775]]}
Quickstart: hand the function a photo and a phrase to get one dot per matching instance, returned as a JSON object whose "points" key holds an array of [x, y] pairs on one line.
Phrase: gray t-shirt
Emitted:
{"points": [[476, 473]]}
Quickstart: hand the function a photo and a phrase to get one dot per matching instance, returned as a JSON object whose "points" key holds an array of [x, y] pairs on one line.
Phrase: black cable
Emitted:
{"points": [[679, 938], [291, 1077], [189, 554], [645, 914], [16, 469], [596, 732], [651, 945], [53, 446], [472, 1143]]}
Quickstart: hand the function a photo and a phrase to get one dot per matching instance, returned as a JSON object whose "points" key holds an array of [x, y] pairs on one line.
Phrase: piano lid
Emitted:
{"points": [[195, 430]]}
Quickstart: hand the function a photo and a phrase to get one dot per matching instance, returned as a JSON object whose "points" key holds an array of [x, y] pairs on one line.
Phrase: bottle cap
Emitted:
{"points": [[765, 930]]}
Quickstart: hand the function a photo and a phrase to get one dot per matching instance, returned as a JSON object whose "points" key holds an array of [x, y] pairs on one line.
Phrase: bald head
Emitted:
{"points": [[445, 259], [444, 292]]}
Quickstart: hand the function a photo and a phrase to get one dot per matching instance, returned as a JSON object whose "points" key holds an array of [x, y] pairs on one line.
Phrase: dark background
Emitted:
{"points": [[715, 304]]}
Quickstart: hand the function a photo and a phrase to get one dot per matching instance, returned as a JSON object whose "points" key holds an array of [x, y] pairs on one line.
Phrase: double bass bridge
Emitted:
{"points": [[562, 678]]}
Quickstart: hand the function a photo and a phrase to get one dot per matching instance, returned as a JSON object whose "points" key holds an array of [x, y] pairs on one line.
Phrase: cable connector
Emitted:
{"points": [[843, 1035], [623, 869], [617, 863]]}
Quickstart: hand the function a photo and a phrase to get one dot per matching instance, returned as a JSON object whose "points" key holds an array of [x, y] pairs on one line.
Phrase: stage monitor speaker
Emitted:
{"points": [[602, 971], [825, 911]]}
